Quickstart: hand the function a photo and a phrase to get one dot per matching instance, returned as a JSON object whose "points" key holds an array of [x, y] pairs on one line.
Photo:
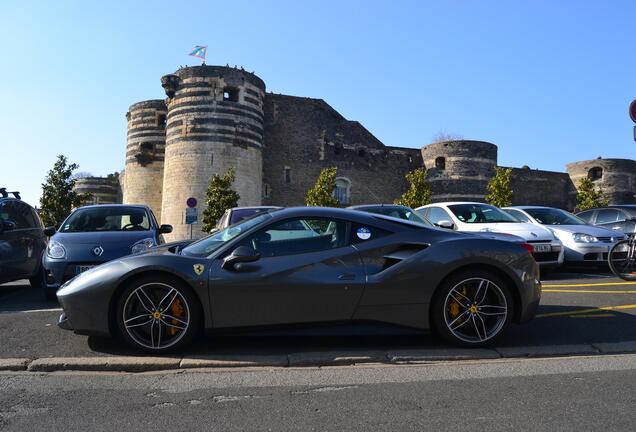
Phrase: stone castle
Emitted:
{"points": [[215, 118]]}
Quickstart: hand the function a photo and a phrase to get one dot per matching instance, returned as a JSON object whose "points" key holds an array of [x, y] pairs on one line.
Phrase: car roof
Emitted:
{"points": [[524, 207], [613, 206], [142, 206], [255, 207], [448, 203], [368, 206]]}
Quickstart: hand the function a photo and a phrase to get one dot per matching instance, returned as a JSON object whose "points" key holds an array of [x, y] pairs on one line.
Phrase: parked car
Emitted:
{"points": [[95, 234], [583, 243], [407, 213], [615, 217], [349, 266], [22, 240], [479, 217], [237, 214]]}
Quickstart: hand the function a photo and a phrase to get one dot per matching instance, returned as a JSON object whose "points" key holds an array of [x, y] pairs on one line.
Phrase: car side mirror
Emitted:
{"points": [[49, 231], [165, 229], [242, 254], [446, 224]]}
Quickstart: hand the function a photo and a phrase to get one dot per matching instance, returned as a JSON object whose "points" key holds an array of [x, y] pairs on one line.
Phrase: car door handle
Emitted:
{"points": [[347, 276]]}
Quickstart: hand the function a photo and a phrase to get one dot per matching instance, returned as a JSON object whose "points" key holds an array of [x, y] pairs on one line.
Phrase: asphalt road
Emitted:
{"points": [[576, 393], [569, 314]]}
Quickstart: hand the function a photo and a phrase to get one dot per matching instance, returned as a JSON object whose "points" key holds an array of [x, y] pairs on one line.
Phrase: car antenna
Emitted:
{"points": [[371, 192]]}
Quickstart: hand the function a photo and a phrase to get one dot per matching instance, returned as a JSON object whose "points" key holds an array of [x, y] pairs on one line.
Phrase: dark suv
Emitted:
{"points": [[22, 240], [620, 217]]}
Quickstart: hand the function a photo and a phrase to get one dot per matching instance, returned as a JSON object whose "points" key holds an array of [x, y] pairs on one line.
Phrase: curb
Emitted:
{"points": [[305, 359]]}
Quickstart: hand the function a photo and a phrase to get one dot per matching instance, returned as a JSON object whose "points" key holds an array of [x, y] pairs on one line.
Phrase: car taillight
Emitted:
{"points": [[528, 247]]}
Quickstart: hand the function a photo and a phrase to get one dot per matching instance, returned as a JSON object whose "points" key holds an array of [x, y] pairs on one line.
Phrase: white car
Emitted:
{"points": [[583, 243], [480, 217]]}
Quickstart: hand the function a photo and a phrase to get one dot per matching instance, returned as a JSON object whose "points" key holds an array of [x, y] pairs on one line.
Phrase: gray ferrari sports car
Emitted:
{"points": [[308, 265]]}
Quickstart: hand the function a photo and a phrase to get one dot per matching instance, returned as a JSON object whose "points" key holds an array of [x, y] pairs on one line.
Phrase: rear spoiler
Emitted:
{"points": [[5, 194]]}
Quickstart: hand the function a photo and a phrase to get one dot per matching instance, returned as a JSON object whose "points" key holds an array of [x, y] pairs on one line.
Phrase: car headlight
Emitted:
{"points": [[584, 238], [55, 250], [142, 245]]}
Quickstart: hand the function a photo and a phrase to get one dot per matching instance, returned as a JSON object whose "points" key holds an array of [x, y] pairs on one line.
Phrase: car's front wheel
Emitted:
{"points": [[472, 308], [157, 314]]}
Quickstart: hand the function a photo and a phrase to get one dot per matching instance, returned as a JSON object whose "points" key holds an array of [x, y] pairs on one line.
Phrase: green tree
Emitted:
{"points": [[58, 197], [588, 196], [321, 195], [499, 189], [219, 197], [419, 192]]}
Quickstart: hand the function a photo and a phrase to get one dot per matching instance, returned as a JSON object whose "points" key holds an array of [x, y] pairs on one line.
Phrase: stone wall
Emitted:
{"points": [[104, 190], [615, 177], [460, 170], [145, 148], [546, 188], [304, 135], [215, 122]]}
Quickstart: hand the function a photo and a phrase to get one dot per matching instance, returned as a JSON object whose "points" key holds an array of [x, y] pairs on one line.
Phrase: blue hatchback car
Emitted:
{"points": [[95, 234]]}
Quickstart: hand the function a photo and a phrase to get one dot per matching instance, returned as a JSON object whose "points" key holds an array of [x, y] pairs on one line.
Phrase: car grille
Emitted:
{"points": [[595, 256], [607, 239]]}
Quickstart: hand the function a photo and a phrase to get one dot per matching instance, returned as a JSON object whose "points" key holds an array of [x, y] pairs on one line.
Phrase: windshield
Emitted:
{"points": [[241, 214], [101, 219], [405, 213], [480, 213], [209, 244], [548, 216]]}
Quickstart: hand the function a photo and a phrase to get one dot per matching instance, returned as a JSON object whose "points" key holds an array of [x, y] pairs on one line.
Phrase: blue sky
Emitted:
{"points": [[548, 81]]}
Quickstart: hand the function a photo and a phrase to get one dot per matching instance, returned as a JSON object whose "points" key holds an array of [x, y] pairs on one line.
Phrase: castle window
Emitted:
{"points": [[595, 173], [287, 175], [361, 152], [265, 190], [230, 94], [440, 163], [161, 121], [147, 146], [342, 192]]}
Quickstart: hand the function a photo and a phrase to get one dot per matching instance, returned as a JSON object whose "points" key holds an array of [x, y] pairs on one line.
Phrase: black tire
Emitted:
{"points": [[143, 337], [49, 293], [38, 280], [616, 259], [446, 312]]}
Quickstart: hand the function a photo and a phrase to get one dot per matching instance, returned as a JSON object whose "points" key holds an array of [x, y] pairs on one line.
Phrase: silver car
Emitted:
{"points": [[583, 243]]}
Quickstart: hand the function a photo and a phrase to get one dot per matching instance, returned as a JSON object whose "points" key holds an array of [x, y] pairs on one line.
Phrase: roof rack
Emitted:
{"points": [[5, 194]]}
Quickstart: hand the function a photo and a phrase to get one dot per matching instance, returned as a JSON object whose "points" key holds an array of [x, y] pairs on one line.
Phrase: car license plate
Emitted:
{"points": [[82, 269], [542, 247]]}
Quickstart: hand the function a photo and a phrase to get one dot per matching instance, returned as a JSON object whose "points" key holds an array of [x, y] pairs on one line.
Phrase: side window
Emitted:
{"points": [[18, 213], [586, 216], [221, 223], [622, 217], [517, 215], [361, 233], [297, 236], [607, 216], [437, 214]]}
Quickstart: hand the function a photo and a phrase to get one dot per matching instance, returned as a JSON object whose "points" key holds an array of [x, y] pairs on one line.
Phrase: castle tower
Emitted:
{"points": [[460, 170], [215, 122], [103, 190], [143, 174], [615, 177]]}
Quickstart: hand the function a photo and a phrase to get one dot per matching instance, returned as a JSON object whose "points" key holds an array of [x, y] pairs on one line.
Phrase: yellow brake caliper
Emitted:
{"points": [[453, 306], [177, 312]]}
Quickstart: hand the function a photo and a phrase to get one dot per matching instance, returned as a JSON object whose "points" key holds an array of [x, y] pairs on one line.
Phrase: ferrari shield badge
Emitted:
{"points": [[198, 269]]}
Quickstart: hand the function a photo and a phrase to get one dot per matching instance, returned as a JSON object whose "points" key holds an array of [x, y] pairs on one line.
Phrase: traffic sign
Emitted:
{"points": [[191, 215], [632, 110], [192, 202]]}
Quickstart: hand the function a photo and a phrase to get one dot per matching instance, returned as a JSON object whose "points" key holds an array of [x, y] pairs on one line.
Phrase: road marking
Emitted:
{"points": [[589, 291], [588, 284], [6, 312], [587, 311]]}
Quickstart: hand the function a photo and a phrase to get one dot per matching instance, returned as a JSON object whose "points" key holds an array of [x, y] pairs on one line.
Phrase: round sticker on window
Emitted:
{"points": [[364, 233]]}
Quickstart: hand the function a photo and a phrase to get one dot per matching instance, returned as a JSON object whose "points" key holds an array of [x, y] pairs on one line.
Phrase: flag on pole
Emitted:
{"points": [[199, 52]]}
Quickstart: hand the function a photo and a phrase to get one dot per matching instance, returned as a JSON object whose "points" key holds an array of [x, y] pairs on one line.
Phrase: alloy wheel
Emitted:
{"points": [[475, 310]]}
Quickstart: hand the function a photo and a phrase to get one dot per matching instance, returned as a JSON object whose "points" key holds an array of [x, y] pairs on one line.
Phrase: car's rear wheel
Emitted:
{"points": [[157, 315], [472, 308]]}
